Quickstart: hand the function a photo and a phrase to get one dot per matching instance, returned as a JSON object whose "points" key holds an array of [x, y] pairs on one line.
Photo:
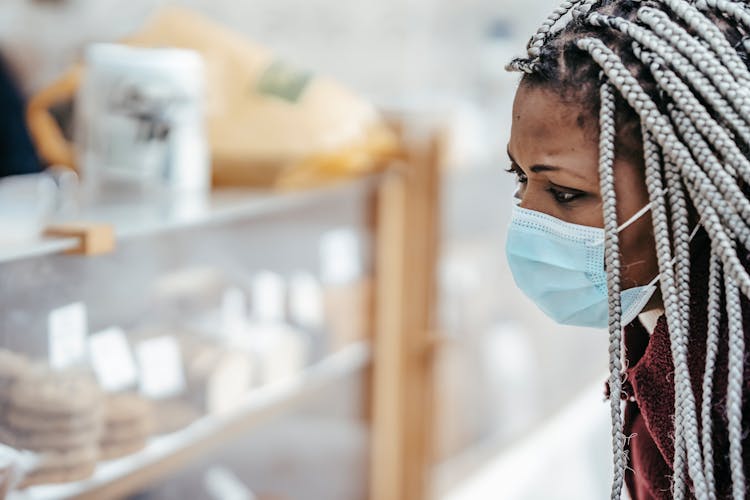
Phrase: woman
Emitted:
{"points": [[630, 141]]}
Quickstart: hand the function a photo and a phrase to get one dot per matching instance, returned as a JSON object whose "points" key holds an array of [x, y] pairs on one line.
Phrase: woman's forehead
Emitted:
{"points": [[544, 108], [544, 125]]}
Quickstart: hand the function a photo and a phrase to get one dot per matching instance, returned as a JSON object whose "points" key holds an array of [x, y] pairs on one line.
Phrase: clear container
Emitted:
{"points": [[26, 203], [140, 124]]}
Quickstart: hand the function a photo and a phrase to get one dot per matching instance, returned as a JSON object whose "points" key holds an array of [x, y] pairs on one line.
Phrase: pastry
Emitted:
{"points": [[57, 414], [59, 440], [12, 367], [56, 394], [21, 419], [128, 423], [173, 415], [59, 467], [109, 450]]}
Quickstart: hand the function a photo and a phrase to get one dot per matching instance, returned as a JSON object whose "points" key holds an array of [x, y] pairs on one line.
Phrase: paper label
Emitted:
{"points": [[306, 301], [283, 81], [112, 360], [67, 330], [340, 256], [269, 296], [233, 312], [160, 363]]}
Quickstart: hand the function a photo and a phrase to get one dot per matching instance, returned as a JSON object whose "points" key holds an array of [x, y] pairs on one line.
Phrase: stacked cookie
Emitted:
{"points": [[58, 415], [128, 423], [173, 414], [63, 466], [12, 368]]}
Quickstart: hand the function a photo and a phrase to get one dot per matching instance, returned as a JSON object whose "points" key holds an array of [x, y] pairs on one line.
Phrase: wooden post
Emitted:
{"points": [[406, 249]]}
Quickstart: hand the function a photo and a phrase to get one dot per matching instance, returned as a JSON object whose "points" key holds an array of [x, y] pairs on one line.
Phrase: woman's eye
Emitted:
{"points": [[562, 196], [520, 176]]}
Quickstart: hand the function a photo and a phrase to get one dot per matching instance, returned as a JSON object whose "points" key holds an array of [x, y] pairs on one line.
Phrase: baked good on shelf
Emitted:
{"points": [[58, 415], [25, 420], [57, 440], [13, 366], [174, 414], [128, 423], [57, 394], [63, 466]]}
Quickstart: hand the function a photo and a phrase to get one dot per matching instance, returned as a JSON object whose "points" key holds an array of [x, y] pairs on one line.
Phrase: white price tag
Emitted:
{"points": [[67, 330], [269, 295], [306, 306], [112, 360], [340, 256], [161, 372], [233, 312]]}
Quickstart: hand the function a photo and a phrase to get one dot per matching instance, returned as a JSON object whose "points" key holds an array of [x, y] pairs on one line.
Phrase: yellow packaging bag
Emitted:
{"points": [[269, 124]]}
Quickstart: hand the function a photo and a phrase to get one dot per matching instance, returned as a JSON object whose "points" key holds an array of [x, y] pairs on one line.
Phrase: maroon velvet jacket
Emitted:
{"points": [[649, 391]]}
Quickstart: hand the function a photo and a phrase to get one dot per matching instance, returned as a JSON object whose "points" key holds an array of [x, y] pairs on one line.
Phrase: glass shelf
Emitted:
{"points": [[144, 218], [168, 453]]}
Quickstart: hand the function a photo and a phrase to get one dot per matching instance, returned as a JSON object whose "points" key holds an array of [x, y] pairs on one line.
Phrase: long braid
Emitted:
{"points": [[653, 122], [537, 41], [680, 70], [653, 181], [680, 235], [734, 386], [702, 182], [701, 56], [612, 255], [735, 10], [723, 83], [713, 315], [684, 99], [695, 79], [712, 351], [712, 35], [723, 239]]}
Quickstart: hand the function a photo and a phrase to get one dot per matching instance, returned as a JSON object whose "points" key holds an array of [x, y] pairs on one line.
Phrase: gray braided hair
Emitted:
{"points": [[677, 70]]}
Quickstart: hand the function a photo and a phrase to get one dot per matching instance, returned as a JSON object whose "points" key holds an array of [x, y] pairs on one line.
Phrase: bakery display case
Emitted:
{"points": [[142, 339]]}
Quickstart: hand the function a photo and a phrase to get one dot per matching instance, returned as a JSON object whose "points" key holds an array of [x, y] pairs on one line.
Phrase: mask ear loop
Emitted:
{"points": [[671, 262], [634, 217], [645, 208]]}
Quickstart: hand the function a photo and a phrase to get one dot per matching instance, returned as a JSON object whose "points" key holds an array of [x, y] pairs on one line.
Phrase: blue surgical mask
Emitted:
{"points": [[560, 266]]}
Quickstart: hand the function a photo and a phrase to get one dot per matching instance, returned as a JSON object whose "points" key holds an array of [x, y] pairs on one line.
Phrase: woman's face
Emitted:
{"points": [[554, 152]]}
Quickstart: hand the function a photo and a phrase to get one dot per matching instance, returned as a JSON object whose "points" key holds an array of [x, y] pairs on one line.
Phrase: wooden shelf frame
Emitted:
{"points": [[407, 229]]}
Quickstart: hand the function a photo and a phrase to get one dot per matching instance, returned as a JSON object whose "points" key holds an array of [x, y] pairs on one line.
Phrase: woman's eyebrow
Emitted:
{"points": [[536, 168], [546, 168]]}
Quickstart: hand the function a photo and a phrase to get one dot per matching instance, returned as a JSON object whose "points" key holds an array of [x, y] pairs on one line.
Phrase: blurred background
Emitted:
{"points": [[518, 411]]}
